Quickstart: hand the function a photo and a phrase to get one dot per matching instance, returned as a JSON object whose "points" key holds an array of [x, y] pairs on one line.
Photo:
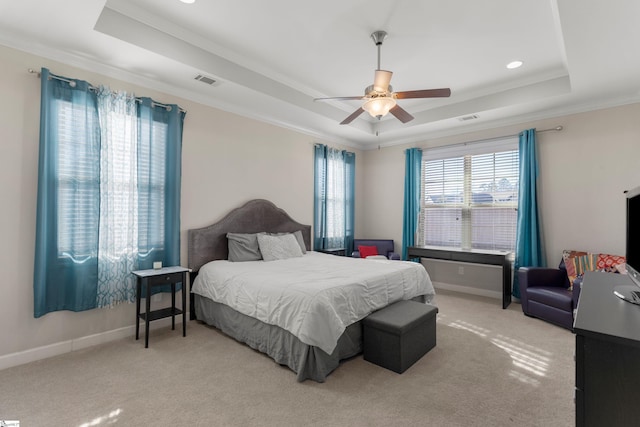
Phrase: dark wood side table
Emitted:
{"points": [[335, 251], [157, 277]]}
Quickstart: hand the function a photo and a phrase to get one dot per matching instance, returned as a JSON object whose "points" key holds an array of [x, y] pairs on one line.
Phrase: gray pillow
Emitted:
{"points": [[300, 239], [278, 247], [243, 247]]}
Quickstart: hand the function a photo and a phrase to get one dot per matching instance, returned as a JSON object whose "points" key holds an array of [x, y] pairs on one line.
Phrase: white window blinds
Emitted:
{"points": [[78, 182], [152, 182], [470, 200]]}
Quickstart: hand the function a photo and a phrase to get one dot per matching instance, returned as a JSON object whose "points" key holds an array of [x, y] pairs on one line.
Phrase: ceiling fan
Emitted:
{"points": [[379, 98]]}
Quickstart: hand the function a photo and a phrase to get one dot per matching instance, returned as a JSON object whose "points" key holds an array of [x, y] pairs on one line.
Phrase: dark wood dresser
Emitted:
{"points": [[607, 354]]}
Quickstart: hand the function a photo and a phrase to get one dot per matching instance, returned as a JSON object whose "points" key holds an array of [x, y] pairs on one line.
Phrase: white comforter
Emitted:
{"points": [[316, 296]]}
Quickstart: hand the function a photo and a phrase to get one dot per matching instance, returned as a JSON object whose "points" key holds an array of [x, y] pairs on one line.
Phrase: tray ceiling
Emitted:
{"points": [[270, 59]]}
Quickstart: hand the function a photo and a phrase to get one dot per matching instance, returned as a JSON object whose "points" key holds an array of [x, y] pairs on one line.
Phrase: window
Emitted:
{"points": [[334, 203], [108, 193], [470, 199], [335, 200], [151, 182], [78, 182]]}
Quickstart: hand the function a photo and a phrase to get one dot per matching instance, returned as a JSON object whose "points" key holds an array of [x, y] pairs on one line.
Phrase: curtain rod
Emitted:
{"points": [[479, 141], [94, 88], [557, 128]]}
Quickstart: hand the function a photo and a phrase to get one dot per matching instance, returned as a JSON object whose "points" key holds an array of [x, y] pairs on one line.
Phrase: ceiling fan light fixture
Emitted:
{"points": [[379, 106], [380, 99]]}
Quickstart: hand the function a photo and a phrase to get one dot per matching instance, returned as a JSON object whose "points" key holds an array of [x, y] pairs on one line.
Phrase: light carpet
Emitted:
{"points": [[490, 367]]}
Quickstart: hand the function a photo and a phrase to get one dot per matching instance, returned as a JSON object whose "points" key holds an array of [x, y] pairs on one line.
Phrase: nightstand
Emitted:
{"points": [[158, 277]]}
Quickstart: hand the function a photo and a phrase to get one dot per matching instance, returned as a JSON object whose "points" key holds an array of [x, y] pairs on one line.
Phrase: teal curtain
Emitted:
{"points": [[529, 251], [349, 205], [92, 229], [411, 209], [334, 198], [319, 199], [66, 264], [159, 182]]}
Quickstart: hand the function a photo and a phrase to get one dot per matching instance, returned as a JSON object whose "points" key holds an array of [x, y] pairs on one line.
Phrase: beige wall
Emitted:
{"points": [[227, 160], [584, 170]]}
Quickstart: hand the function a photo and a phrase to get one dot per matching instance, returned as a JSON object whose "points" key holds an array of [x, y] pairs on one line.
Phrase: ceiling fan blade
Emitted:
{"points": [[381, 80], [425, 93], [352, 117], [338, 98], [401, 114]]}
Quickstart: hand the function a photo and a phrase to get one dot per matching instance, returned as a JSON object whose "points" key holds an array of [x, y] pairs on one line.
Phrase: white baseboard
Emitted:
{"points": [[56, 349], [468, 290]]}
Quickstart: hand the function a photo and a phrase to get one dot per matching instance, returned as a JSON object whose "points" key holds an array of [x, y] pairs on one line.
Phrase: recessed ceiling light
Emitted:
{"points": [[188, 1], [514, 64]]}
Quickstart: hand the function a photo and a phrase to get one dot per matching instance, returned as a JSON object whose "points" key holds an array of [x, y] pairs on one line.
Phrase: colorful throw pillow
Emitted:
{"points": [[570, 265], [609, 263], [366, 251], [585, 263]]}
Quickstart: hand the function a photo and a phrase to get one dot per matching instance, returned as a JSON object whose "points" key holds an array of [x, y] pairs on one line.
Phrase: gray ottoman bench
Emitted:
{"points": [[396, 336]]}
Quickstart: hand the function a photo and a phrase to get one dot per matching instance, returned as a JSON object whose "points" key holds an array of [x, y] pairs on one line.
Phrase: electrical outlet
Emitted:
{"points": [[460, 270]]}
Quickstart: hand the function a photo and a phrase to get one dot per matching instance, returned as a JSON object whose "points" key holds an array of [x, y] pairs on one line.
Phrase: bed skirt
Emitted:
{"points": [[308, 362]]}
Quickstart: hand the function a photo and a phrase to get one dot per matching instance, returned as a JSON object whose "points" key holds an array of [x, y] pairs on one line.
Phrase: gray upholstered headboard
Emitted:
{"points": [[210, 243]]}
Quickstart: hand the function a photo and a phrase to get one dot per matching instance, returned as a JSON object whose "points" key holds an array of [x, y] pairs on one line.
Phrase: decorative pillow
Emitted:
{"points": [[366, 251], [278, 247], [570, 265], [297, 235], [243, 247], [584, 263], [609, 263]]}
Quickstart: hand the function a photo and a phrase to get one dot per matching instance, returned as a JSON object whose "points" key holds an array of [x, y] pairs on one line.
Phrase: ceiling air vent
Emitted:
{"points": [[469, 117], [205, 79]]}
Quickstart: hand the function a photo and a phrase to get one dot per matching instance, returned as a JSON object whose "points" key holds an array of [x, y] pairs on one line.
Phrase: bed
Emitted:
{"points": [[303, 311]]}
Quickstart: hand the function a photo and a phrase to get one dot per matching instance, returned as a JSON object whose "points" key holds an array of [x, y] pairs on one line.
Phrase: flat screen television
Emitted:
{"points": [[631, 293]]}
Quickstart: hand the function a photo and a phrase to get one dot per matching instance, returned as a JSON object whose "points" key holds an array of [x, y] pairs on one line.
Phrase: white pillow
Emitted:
{"points": [[297, 235], [278, 247]]}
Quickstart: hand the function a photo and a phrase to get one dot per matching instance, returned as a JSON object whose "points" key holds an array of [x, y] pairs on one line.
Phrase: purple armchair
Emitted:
{"points": [[385, 247], [545, 294]]}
